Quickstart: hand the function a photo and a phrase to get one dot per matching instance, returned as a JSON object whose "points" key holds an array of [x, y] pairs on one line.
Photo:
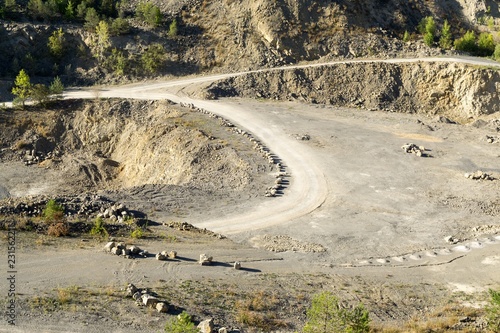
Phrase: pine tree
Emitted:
{"points": [[445, 40], [22, 87]]}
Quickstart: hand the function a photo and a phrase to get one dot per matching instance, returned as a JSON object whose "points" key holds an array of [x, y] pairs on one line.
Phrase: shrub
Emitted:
{"points": [[98, 229], [22, 87], [496, 54], [56, 43], [485, 45], [149, 13], [117, 62], [153, 58], [119, 26], [40, 93], [467, 43], [58, 229], [406, 36], [137, 233], [56, 87], [172, 29], [445, 40], [326, 315], [181, 324], [493, 311], [53, 212]]}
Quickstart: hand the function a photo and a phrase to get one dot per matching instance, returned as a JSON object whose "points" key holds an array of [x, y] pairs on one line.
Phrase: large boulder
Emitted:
{"points": [[206, 326]]}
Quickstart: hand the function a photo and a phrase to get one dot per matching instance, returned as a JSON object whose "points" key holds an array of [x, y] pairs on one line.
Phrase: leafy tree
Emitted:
{"points": [[466, 43], [172, 29], [406, 36], [485, 45], [69, 12], [496, 54], [117, 62], [91, 19], [182, 324], [40, 93], [326, 315], [22, 87], [56, 43], [149, 13], [493, 311], [53, 212], [152, 59], [56, 87], [430, 31], [119, 26], [445, 40], [101, 41]]}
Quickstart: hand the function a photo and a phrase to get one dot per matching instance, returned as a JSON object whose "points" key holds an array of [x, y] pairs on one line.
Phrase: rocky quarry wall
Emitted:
{"points": [[457, 91]]}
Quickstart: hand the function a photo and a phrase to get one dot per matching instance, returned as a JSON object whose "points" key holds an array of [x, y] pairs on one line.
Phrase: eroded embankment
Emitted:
{"points": [[115, 144], [457, 91]]}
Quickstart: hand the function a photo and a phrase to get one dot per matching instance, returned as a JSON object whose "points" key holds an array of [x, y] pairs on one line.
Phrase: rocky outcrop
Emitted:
{"points": [[458, 91]]}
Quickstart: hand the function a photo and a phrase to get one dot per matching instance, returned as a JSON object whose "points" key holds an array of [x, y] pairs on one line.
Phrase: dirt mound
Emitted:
{"points": [[455, 90], [116, 144]]}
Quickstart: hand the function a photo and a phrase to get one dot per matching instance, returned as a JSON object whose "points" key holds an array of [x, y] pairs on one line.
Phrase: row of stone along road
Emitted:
{"points": [[258, 146]]}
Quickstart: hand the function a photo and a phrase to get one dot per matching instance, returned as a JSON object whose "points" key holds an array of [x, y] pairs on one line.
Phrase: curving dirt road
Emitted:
{"points": [[308, 188]]}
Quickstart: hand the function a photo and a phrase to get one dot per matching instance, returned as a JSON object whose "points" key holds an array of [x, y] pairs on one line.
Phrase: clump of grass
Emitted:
{"points": [[58, 229], [258, 311], [137, 233]]}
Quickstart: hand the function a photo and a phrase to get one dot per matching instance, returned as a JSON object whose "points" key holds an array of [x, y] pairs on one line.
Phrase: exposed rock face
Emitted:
{"points": [[454, 90]]}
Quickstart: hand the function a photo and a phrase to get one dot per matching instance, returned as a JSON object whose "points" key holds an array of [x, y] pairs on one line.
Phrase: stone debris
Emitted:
{"points": [[149, 300], [206, 326], [144, 297], [451, 240], [479, 175], [282, 243], [492, 139], [205, 260], [121, 249], [162, 307], [272, 159], [412, 148], [237, 265]]}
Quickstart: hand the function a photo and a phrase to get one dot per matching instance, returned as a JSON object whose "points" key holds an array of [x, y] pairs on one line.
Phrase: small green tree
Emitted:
{"points": [[69, 12], [493, 311], [445, 40], [56, 88], [91, 19], [99, 228], [40, 93], [101, 41], [430, 31], [181, 324], [117, 62], [496, 54], [119, 26], [149, 13], [153, 58], [22, 87], [406, 36], [56, 43], [485, 45], [173, 29], [467, 43], [326, 316], [53, 212]]}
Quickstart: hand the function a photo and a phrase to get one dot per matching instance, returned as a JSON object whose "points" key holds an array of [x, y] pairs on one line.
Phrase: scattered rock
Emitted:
{"points": [[237, 265], [412, 148], [131, 289], [162, 307], [206, 326], [161, 256], [205, 260], [479, 175], [149, 300], [109, 246]]}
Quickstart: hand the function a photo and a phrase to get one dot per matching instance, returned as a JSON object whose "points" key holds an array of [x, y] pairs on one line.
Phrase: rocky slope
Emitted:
{"points": [[457, 91]]}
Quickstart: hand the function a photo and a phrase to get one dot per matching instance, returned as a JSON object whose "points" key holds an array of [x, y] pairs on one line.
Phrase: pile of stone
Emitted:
{"points": [[165, 255], [412, 148], [277, 186], [115, 213], [85, 205], [272, 159], [120, 249], [479, 175], [144, 297]]}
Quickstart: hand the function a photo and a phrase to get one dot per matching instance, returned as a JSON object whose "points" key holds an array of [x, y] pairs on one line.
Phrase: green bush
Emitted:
{"points": [[173, 29], [137, 233], [99, 229], [22, 87], [53, 212], [406, 36], [493, 311], [40, 93], [181, 324], [326, 315], [496, 54], [467, 43], [153, 58], [445, 40], [119, 26], [149, 13], [485, 45]]}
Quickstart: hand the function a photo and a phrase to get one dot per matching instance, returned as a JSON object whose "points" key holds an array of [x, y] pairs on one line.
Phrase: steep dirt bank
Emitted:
{"points": [[457, 91], [129, 150]]}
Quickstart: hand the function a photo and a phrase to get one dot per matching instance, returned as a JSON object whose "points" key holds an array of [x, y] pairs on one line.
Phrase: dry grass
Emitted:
{"points": [[258, 310], [58, 229]]}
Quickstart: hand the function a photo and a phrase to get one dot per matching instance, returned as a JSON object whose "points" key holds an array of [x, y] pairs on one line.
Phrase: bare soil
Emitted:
{"points": [[378, 237]]}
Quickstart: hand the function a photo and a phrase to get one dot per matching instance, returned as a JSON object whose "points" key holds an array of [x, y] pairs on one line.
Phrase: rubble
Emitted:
{"points": [[412, 148], [205, 260], [479, 175]]}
